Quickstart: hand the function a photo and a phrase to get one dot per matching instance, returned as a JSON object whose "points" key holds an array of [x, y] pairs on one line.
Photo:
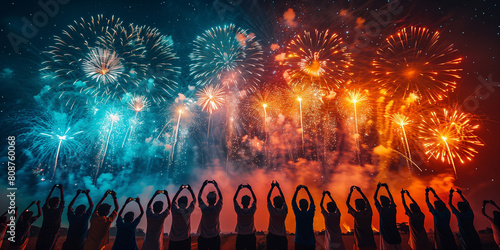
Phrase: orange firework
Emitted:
{"points": [[415, 61], [319, 56], [449, 135]]}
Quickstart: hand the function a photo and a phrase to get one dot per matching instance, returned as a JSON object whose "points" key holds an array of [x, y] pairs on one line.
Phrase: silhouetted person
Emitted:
{"points": [[51, 224], [98, 234], [465, 218], [4, 220], [388, 227], [442, 231], [126, 227], [209, 227], [155, 216], [333, 234], [362, 220], [78, 223], [276, 236], [180, 232], [304, 215], [245, 227], [418, 236], [495, 221], [23, 227]]}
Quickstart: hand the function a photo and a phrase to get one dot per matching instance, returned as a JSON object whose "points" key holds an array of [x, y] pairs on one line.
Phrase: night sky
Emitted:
{"points": [[472, 26]]}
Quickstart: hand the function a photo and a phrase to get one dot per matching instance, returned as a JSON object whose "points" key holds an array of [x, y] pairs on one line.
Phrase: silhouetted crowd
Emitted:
{"points": [[81, 236]]}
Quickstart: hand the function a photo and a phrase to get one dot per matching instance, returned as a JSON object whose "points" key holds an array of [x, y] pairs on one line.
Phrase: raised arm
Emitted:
{"points": [[389, 193], [450, 201], [140, 206], [348, 202], [193, 198], [91, 204], [375, 196], [235, 198], [281, 192], [124, 205], [294, 198], [407, 210], [368, 206], [61, 203], [200, 193], [427, 200], [311, 200], [70, 207], [435, 195], [39, 210], [322, 200], [50, 194], [115, 201], [270, 192], [165, 192], [253, 194], [174, 200], [463, 197], [150, 202], [483, 210], [218, 191], [102, 199]]}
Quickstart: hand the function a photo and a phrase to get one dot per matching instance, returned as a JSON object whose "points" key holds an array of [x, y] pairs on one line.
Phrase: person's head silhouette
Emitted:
{"points": [[158, 207], [103, 209], [80, 210], [54, 202], [385, 201], [183, 201], [278, 202], [211, 198], [415, 208], [303, 205], [331, 207], [463, 207], [360, 204], [129, 217], [440, 206], [245, 201]]}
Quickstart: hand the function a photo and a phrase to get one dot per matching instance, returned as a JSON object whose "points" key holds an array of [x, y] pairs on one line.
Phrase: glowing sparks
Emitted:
{"points": [[229, 55], [320, 56], [449, 136], [102, 66], [416, 62], [138, 103], [211, 98], [403, 121]]}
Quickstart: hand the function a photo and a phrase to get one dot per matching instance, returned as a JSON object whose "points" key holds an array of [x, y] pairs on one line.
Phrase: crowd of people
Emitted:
{"points": [[81, 236]]}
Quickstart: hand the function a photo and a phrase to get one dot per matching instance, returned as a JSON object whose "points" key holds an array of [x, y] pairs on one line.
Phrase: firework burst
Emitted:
{"points": [[449, 136], [320, 56], [102, 66], [211, 98], [415, 61], [228, 55]]}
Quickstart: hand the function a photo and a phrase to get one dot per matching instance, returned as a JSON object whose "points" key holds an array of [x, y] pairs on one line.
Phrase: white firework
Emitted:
{"points": [[102, 65]]}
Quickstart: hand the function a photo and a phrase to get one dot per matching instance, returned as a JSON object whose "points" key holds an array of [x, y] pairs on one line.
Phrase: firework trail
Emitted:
{"points": [[137, 104], [176, 132], [449, 135], [210, 99], [402, 121], [114, 118], [416, 61]]}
